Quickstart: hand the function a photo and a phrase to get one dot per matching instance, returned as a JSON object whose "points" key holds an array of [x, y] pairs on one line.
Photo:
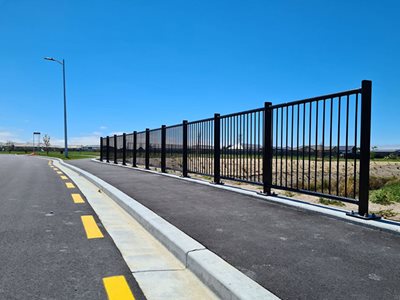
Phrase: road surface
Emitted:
{"points": [[294, 253], [45, 252]]}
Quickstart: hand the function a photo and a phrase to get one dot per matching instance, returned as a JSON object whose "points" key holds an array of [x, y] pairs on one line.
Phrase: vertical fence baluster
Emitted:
{"points": [[281, 150], [147, 154], [286, 145], [276, 145], [347, 145], [124, 149], [338, 148], [355, 147], [267, 148], [108, 149], [365, 144], [259, 149], [101, 149], [330, 148], [297, 148], [316, 148], [115, 149], [185, 148], [291, 148], [304, 144], [217, 150], [134, 149], [163, 148], [309, 148], [323, 145]]}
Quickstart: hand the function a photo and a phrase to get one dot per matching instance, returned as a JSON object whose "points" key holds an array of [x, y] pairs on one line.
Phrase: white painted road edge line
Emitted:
{"points": [[222, 278], [383, 224]]}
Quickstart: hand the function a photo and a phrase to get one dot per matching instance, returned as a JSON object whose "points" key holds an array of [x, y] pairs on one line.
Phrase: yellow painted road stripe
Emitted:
{"points": [[64, 177], [70, 185], [91, 228], [59, 172], [55, 169], [117, 288], [77, 198]]}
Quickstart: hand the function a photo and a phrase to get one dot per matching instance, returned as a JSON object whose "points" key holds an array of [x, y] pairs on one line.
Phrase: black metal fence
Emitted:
{"points": [[318, 146]]}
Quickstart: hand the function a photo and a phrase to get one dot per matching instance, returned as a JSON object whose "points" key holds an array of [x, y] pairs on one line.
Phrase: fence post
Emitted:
{"points": [[124, 149], [147, 155], [217, 149], [115, 149], [163, 148], [134, 149], [267, 149], [365, 144], [101, 149], [185, 148], [108, 149]]}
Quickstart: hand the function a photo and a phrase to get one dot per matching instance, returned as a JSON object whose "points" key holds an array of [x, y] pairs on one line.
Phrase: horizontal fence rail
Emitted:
{"points": [[318, 146]]}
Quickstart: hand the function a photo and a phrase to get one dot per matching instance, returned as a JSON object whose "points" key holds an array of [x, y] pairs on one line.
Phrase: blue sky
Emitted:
{"points": [[137, 64]]}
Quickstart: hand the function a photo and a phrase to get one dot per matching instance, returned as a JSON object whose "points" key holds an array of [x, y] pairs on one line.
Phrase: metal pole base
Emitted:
{"points": [[266, 194], [217, 183], [364, 217]]}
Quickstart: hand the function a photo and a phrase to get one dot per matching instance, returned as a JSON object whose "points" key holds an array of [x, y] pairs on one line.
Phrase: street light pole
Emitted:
{"points": [[65, 105], [65, 113]]}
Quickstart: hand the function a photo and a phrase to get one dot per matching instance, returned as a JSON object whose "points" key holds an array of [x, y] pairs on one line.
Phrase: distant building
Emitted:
{"points": [[384, 152], [245, 147]]}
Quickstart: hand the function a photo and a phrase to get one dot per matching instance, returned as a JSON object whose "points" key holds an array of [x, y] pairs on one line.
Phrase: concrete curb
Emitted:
{"points": [[222, 278], [383, 224]]}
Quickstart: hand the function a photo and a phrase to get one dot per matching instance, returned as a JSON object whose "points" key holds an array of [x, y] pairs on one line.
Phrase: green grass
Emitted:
{"points": [[330, 202], [57, 154], [386, 213], [289, 194], [387, 194]]}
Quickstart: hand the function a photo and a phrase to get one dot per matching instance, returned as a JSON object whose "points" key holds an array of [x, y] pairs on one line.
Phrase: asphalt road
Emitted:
{"points": [[44, 251], [294, 253]]}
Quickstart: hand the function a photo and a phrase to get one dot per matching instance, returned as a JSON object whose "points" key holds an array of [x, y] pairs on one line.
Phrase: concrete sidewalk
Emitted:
{"points": [[296, 254]]}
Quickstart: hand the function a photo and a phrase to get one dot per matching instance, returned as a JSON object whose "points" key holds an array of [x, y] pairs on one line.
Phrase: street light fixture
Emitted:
{"points": [[65, 104]]}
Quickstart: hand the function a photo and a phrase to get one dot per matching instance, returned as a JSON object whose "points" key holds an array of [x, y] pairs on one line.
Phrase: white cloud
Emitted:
{"points": [[6, 136], [103, 127], [85, 140], [77, 141]]}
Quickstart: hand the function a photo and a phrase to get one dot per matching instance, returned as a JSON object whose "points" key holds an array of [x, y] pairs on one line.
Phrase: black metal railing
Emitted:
{"points": [[318, 146], [174, 147], [141, 149], [241, 146], [200, 147]]}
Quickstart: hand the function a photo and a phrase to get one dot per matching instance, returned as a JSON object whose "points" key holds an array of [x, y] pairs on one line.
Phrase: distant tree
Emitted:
{"points": [[372, 153], [46, 141], [10, 146]]}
